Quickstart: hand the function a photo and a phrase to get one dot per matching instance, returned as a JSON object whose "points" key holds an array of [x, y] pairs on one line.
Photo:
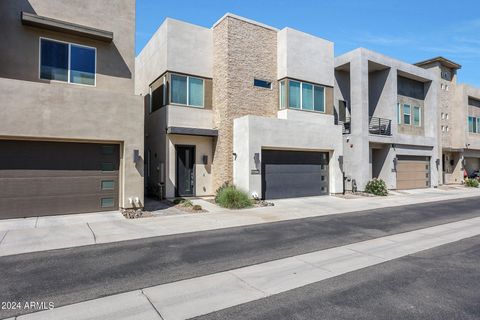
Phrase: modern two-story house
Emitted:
{"points": [[71, 133], [389, 111], [221, 108]]}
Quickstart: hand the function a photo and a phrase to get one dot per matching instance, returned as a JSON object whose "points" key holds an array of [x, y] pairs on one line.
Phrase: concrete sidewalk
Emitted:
{"points": [[114, 228], [202, 295]]}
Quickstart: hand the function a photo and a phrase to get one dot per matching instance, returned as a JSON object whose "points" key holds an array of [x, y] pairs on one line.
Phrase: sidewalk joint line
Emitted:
{"points": [[248, 284], [368, 254], [313, 265], [93, 233], [1, 240], [36, 222], [153, 306]]}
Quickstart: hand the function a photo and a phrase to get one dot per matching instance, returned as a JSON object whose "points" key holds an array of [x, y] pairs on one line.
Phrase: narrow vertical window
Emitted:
{"points": [[470, 124], [406, 114], [294, 94], [319, 99], [195, 92], [179, 89], [416, 116], [399, 113], [282, 94], [307, 96]]}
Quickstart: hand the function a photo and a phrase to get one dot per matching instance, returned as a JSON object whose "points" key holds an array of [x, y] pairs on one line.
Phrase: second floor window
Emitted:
{"points": [[473, 124], [67, 62], [187, 90], [302, 95], [409, 115]]}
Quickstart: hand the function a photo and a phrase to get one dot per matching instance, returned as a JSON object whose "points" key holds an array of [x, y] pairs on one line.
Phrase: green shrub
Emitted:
{"points": [[197, 207], [377, 187], [473, 183], [228, 196]]}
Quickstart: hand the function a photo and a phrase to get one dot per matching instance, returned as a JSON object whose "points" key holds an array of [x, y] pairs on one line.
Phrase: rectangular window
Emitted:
{"points": [[283, 95], [107, 166], [473, 124], [416, 116], [187, 90], [478, 125], [195, 92], [470, 124], [179, 89], [108, 185], [72, 63], [108, 150], [107, 202], [82, 65], [307, 96], [294, 94], [399, 113], [53, 60], [319, 99], [406, 114], [262, 84]]}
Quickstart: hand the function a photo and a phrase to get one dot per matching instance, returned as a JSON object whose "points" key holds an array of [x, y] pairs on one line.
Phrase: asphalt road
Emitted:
{"points": [[438, 284], [71, 275]]}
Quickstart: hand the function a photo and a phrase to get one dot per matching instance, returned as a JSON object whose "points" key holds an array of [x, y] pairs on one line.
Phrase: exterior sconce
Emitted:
{"points": [[205, 159], [395, 160], [437, 162]]}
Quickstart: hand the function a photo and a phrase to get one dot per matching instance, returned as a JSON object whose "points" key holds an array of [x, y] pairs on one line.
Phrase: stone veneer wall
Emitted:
{"points": [[242, 51]]}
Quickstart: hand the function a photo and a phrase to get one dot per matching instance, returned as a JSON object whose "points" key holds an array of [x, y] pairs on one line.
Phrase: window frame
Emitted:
{"points": [[270, 84], [188, 91], [475, 124], [419, 116], [69, 61], [409, 114], [300, 107]]}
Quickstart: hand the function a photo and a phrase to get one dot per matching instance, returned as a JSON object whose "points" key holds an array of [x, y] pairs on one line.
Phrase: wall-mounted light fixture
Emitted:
{"points": [[205, 159], [395, 161], [256, 158], [234, 155]]}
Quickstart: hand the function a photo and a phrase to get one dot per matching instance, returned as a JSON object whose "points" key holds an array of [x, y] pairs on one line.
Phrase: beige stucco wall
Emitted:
{"points": [[203, 173], [115, 61], [238, 58], [32, 110], [39, 109], [295, 130]]}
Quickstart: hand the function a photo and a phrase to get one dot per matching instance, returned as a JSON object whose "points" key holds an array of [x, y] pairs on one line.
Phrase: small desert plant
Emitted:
{"points": [[183, 202], [473, 183], [228, 196], [197, 207], [376, 187]]}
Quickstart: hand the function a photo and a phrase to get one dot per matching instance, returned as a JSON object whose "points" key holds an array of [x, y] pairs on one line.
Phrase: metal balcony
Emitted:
{"points": [[346, 125], [380, 126]]}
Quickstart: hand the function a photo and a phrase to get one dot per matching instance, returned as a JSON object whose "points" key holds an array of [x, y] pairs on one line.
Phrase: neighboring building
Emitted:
{"points": [[390, 113], [71, 134], [451, 118], [240, 102], [459, 120]]}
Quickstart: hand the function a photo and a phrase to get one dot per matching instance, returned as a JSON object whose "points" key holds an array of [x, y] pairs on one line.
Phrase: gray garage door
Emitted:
{"points": [[289, 174], [413, 172], [46, 178]]}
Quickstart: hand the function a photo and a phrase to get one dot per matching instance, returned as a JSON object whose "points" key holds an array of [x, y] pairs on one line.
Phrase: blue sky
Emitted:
{"points": [[409, 30]]}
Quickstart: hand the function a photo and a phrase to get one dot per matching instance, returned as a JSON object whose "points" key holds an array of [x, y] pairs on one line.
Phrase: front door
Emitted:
{"points": [[185, 171]]}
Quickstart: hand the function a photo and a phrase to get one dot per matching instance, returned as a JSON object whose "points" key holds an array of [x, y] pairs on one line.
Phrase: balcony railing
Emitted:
{"points": [[380, 126], [346, 125]]}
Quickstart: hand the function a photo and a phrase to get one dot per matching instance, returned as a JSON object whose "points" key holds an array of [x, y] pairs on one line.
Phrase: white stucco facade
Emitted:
{"points": [[292, 130]]}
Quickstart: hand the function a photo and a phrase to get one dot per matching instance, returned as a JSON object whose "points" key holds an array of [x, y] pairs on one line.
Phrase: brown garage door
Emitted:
{"points": [[46, 178], [413, 172]]}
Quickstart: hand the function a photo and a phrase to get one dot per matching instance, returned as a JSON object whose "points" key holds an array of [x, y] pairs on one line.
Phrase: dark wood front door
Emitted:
{"points": [[185, 171]]}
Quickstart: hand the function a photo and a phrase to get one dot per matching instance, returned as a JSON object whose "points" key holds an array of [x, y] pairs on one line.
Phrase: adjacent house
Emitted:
{"points": [[459, 118], [243, 103], [389, 111], [71, 134]]}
